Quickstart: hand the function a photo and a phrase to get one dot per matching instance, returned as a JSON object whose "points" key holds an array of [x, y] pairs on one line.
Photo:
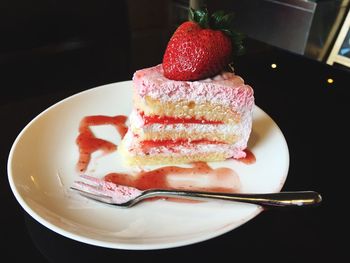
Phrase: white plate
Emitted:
{"points": [[41, 168]]}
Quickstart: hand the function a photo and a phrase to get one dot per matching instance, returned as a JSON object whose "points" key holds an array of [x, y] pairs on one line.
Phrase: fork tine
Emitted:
{"points": [[90, 179], [96, 197], [97, 185], [107, 192], [91, 188], [94, 185]]}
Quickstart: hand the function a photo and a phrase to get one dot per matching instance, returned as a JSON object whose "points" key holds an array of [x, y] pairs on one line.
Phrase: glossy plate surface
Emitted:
{"points": [[42, 167]]}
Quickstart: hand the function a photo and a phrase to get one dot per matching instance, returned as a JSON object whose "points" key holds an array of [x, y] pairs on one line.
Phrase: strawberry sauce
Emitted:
{"points": [[88, 143], [175, 120], [249, 158], [200, 176]]}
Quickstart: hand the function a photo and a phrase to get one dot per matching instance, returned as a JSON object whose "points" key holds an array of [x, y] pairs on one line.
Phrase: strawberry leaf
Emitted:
{"points": [[237, 43], [222, 21], [201, 17]]}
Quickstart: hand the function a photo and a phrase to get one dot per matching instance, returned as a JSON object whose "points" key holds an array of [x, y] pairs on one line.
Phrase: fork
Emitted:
{"points": [[126, 196]]}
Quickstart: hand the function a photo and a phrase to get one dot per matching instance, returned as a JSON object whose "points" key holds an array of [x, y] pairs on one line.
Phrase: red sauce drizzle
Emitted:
{"points": [[173, 177], [175, 120], [88, 143], [249, 158]]}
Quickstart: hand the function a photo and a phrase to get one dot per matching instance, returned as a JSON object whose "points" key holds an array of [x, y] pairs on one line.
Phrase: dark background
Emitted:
{"points": [[43, 42], [107, 40]]}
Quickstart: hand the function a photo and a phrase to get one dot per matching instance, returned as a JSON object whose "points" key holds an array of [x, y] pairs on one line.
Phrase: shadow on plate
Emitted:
{"points": [[261, 128], [57, 248]]}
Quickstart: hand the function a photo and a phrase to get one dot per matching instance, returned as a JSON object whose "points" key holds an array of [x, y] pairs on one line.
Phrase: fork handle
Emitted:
{"points": [[281, 199]]}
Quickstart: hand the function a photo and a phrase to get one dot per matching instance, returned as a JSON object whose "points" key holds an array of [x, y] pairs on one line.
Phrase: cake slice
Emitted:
{"points": [[186, 121]]}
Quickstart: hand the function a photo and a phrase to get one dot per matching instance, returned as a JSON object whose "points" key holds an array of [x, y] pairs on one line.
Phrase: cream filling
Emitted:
{"points": [[189, 128], [240, 130]]}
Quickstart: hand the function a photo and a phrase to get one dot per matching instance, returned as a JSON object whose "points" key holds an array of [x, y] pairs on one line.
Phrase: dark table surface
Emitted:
{"points": [[310, 112]]}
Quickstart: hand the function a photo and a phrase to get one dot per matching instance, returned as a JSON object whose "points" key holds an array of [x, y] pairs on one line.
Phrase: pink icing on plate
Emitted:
{"points": [[119, 193]]}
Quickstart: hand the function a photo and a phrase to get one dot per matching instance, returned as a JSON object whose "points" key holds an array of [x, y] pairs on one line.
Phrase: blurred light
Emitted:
{"points": [[330, 80], [273, 65]]}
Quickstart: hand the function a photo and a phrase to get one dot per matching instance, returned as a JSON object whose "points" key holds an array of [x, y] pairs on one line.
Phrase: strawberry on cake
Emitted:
{"points": [[189, 108]]}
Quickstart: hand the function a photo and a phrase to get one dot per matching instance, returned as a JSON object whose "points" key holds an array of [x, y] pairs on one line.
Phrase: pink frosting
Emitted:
{"points": [[118, 193], [226, 88]]}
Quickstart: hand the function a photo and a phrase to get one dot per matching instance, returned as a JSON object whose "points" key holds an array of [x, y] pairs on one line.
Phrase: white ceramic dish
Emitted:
{"points": [[42, 167]]}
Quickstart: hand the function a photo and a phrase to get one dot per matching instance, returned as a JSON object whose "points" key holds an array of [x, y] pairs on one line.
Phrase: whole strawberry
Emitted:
{"points": [[202, 47]]}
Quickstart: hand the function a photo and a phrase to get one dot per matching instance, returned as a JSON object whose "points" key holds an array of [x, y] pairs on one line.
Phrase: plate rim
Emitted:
{"points": [[114, 245]]}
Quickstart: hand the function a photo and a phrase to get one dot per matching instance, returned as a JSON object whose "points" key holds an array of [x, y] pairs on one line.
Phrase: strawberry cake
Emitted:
{"points": [[176, 121]]}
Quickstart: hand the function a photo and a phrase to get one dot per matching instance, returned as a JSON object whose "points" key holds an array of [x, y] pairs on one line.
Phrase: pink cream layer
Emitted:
{"points": [[224, 89], [180, 148]]}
